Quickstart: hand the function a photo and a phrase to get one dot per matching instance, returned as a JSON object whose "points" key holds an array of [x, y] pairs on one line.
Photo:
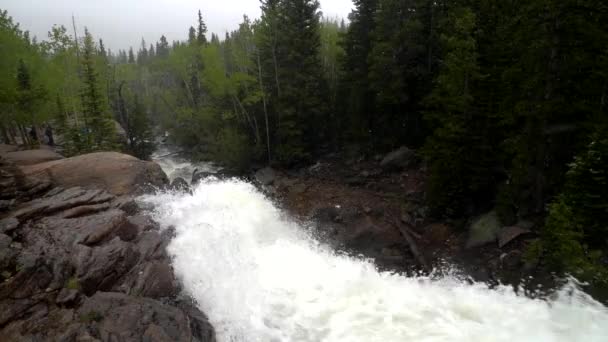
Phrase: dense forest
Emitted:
{"points": [[505, 101]]}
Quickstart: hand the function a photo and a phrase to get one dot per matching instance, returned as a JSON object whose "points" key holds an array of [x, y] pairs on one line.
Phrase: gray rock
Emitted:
{"points": [[398, 159], [155, 281], [67, 296], [106, 265], [126, 318], [484, 230], [9, 224], [265, 176]]}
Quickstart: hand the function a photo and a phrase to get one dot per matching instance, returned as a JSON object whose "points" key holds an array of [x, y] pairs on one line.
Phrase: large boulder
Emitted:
{"points": [[265, 176], [484, 229], [117, 173], [31, 157], [398, 159]]}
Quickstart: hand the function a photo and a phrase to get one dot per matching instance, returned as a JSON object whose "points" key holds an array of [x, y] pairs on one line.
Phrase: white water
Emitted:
{"points": [[175, 166], [260, 277]]}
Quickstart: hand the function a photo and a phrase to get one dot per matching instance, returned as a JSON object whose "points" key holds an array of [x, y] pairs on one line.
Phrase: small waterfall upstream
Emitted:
{"points": [[261, 277]]}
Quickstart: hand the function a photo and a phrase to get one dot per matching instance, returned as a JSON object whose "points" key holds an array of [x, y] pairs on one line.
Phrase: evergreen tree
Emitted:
{"points": [[191, 35], [151, 53], [142, 54], [139, 133], [162, 47], [458, 174], [398, 73], [356, 92], [201, 37], [131, 56], [215, 39], [102, 49], [98, 125], [574, 237]]}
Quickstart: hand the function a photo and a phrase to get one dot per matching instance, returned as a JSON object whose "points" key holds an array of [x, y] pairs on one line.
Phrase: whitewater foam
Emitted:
{"points": [[260, 277]]}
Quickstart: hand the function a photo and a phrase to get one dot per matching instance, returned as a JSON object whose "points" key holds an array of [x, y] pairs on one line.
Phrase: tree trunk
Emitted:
{"points": [[265, 109]]}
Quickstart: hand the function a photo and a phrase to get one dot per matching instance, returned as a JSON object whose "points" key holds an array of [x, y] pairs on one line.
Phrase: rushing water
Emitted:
{"points": [[175, 165], [260, 277]]}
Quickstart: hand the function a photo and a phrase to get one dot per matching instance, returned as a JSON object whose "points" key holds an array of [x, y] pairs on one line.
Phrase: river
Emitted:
{"points": [[260, 276]]}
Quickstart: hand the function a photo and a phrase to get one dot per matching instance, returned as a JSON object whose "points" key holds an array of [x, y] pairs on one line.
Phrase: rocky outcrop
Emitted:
{"points": [[31, 157], [80, 264], [119, 174]]}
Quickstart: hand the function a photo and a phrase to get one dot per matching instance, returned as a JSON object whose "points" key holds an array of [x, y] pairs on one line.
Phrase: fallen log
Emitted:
{"points": [[408, 236]]}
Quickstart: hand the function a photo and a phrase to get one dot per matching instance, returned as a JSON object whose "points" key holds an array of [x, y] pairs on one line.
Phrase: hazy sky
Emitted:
{"points": [[122, 23]]}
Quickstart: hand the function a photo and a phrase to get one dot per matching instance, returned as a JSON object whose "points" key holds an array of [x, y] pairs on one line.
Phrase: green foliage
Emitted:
{"points": [[233, 149], [460, 160], [98, 127], [574, 236]]}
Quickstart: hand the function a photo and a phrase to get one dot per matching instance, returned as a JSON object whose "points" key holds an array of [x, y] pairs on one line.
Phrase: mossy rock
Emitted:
{"points": [[484, 230]]}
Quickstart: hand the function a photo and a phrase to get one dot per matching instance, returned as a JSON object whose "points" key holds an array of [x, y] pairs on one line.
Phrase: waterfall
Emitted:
{"points": [[261, 277]]}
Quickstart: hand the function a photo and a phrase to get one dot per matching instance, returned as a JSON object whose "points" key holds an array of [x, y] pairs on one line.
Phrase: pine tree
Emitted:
{"points": [[215, 39], [139, 132], [358, 97], [131, 59], [102, 49], [151, 53], [142, 54], [460, 163], [398, 73], [162, 47], [201, 37], [551, 95], [302, 102], [191, 35], [98, 125], [574, 236]]}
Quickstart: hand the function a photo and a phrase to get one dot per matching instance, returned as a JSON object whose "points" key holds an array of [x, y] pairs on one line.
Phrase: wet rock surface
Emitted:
{"points": [[80, 264], [118, 174]]}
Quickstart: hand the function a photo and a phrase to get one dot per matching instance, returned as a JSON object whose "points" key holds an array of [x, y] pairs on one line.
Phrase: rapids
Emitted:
{"points": [[260, 276]]}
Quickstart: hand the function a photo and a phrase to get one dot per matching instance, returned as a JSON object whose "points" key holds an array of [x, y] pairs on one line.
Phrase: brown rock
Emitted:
{"points": [[32, 157], [120, 174]]}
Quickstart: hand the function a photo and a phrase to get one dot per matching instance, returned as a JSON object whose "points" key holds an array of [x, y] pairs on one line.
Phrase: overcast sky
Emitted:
{"points": [[122, 23]]}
